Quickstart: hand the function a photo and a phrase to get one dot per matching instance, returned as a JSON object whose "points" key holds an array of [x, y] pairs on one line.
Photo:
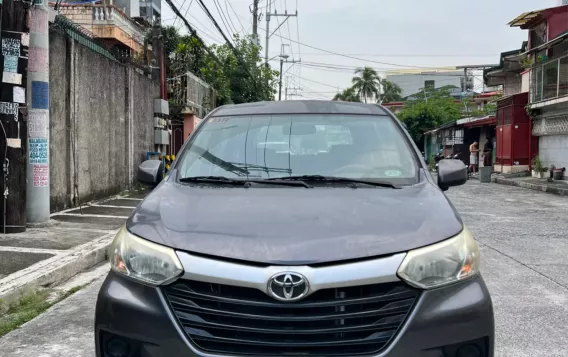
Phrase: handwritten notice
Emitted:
{"points": [[40, 95], [11, 47], [38, 151], [38, 20], [41, 175], [37, 124], [9, 109], [13, 78], [11, 64], [19, 95], [38, 60]]}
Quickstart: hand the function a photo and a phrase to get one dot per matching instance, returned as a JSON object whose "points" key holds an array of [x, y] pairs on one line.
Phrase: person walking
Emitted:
{"points": [[473, 157]]}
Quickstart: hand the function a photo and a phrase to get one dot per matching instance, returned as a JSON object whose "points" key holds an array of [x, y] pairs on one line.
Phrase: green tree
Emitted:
{"points": [[347, 95], [430, 109], [367, 83], [391, 92]]}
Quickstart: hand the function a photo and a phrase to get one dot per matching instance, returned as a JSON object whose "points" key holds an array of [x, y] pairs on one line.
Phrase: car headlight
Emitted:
{"points": [[442, 263], [142, 260]]}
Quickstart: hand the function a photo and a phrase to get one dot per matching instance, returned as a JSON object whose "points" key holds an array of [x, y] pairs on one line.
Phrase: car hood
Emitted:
{"points": [[294, 226]]}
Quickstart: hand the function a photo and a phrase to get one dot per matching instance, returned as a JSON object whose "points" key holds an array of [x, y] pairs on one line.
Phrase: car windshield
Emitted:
{"points": [[279, 146]]}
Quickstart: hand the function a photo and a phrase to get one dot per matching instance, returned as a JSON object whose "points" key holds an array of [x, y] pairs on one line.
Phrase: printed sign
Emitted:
{"points": [[13, 78], [19, 95], [10, 109], [11, 47], [37, 124], [11, 64], [41, 175], [38, 60], [40, 95], [38, 151]]}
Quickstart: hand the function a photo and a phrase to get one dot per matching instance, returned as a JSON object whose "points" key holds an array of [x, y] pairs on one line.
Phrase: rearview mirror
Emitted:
{"points": [[451, 173], [151, 172]]}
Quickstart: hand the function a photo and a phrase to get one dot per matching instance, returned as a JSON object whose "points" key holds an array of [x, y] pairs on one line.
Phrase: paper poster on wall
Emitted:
{"points": [[25, 39], [38, 151], [13, 78], [41, 175], [19, 94], [10, 109], [40, 95], [11, 46], [37, 124], [11, 64]]}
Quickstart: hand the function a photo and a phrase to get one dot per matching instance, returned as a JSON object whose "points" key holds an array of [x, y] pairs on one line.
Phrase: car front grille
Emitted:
{"points": [[235, 320]]}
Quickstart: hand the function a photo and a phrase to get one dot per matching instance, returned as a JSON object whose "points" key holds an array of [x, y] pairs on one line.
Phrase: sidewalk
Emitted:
{"points": [[554, 187], [74, 240]]}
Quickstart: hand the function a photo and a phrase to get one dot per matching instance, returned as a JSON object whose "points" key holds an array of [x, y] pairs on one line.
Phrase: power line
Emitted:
{"points": [[222, 15], [192, 31], [228, 2]]}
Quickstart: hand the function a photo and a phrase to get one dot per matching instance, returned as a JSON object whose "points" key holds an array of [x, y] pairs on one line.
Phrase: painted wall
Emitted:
{"points": [[557, 24], [101, 123]]}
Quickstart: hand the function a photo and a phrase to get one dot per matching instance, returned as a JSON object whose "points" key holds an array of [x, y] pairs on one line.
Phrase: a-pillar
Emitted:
{"points": [[37, 198]]}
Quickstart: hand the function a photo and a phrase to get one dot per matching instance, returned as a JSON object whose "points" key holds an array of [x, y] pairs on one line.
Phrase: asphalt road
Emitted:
{"points": [[524, 248]]}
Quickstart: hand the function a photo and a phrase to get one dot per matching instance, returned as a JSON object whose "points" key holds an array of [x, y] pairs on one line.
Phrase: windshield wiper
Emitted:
{"points": [[243, 181], [338, 179]]}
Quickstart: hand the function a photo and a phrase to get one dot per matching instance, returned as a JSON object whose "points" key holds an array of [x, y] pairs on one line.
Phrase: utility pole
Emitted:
{"points": [[38, 193], [280, 82], [255, 21], [268, 33]]}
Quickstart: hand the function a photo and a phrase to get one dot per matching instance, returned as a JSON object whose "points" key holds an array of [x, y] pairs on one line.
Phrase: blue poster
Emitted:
{"points": [[11, 64], [38, 151], [40, 95]]}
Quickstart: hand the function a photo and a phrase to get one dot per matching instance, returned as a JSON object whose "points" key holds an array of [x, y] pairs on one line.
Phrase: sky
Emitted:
{"points": [[383, 34]]}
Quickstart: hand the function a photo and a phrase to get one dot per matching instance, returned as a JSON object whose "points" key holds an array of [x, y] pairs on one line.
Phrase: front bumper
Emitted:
{"points": [[441, 320]]}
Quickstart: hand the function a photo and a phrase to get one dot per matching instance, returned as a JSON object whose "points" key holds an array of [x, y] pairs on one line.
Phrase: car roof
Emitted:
{"points": [[299, 107]]}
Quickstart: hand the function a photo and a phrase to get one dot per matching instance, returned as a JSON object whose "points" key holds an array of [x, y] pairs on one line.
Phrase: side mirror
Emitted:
{"points": [[151, 172], [451, 173]]}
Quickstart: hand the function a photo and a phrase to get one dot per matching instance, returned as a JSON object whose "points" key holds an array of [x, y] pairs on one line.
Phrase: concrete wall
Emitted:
{"points": [[101, 123]]}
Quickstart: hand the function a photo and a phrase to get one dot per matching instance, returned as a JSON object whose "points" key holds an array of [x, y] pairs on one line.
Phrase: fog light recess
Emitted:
{"points": [[117, 347], [469, 351]]}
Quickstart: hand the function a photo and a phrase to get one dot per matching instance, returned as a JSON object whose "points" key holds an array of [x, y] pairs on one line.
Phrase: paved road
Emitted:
{"points": [[524, 246]]}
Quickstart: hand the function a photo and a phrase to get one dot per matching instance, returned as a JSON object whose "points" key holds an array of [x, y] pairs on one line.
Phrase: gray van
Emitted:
{"points": [[245, 250]]}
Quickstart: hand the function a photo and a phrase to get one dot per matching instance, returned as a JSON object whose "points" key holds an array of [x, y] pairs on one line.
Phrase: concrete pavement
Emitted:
{"points": [[523, 243], [73, 240]]}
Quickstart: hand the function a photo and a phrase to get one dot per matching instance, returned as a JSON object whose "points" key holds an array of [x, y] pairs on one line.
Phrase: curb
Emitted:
{"points": [[531, 186], [56, 269]]}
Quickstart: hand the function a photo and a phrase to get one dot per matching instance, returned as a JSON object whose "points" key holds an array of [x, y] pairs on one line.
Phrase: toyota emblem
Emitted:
{"points": [[288, 286]]}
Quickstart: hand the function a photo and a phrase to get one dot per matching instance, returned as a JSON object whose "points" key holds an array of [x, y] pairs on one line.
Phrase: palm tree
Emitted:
{"points": [[367, 83], [347, 95], [391, 92]]}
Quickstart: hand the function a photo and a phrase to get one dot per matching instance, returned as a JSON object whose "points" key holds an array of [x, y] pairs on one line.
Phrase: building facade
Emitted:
{"points": [[413, 81], [547, 80]]}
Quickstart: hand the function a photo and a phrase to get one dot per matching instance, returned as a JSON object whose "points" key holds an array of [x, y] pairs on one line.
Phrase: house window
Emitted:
{"points": [[429, 85]]}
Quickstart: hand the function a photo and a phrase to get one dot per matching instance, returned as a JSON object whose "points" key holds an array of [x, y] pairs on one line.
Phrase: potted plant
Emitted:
{"points": [[538, 168]]}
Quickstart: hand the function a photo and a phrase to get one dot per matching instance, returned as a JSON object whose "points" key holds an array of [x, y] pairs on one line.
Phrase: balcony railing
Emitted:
{"points": [[549, 80]]}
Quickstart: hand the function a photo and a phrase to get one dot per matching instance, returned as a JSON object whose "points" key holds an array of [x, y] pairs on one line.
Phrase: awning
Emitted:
{"points": [[525, 17], [477, 121]]}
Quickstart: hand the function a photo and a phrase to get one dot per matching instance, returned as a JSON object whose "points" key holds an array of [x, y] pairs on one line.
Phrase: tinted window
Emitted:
{"points": [[265, 146]]}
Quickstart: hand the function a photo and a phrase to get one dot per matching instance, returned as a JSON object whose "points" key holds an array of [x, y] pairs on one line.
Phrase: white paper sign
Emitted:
{"points": [[14, 143], [25, 39], [14, 78], [19, 95]]}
